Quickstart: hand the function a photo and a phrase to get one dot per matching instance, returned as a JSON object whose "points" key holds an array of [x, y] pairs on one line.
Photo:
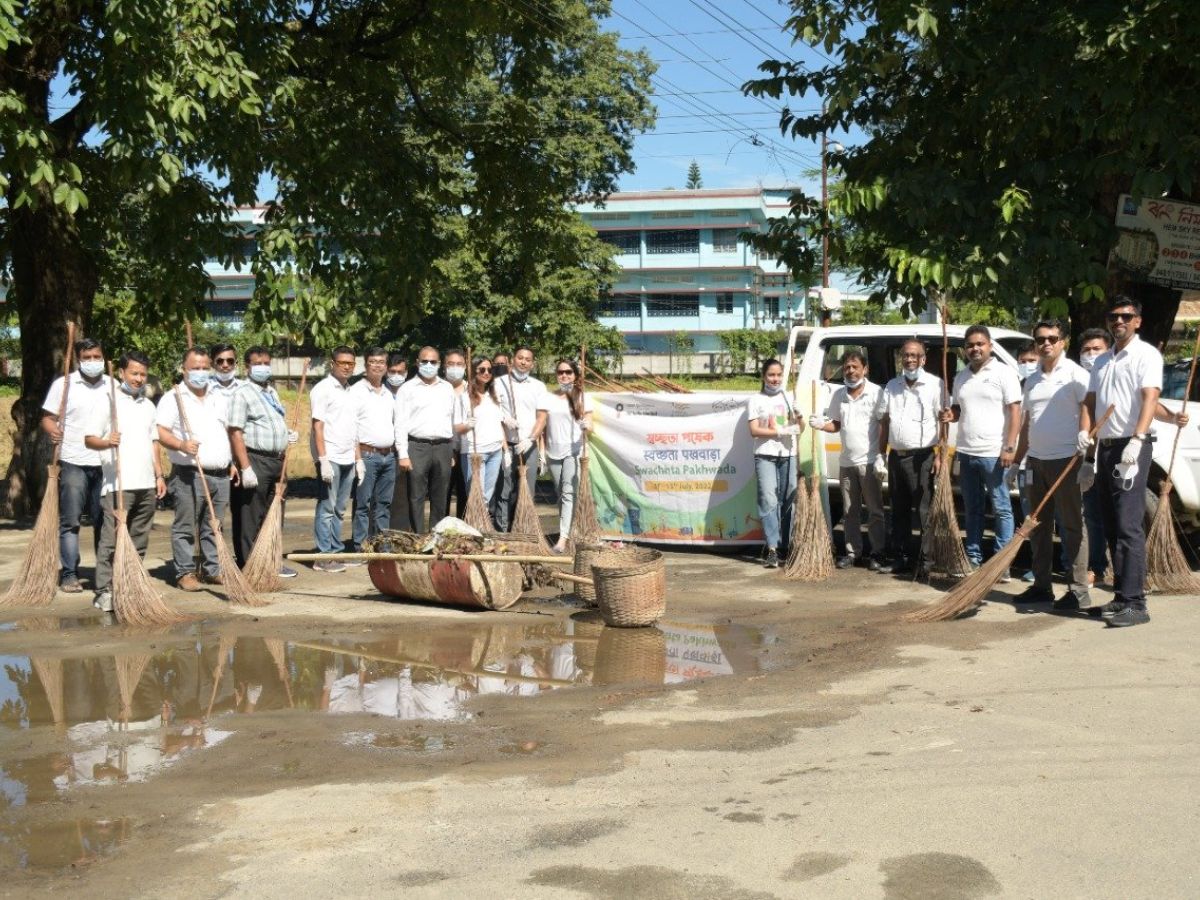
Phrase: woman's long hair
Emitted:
{"points": [[575, 395], [475, 392]]}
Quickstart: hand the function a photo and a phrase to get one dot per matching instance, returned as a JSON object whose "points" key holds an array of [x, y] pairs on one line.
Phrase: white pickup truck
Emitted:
{"points": [[814, 354]]}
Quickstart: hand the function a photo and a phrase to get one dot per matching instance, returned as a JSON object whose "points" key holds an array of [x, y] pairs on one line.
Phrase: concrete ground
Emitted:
{"points": [[1015, 753]]}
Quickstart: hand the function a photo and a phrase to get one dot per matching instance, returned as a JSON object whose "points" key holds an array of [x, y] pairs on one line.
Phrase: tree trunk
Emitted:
{"points": [[54, 282]]}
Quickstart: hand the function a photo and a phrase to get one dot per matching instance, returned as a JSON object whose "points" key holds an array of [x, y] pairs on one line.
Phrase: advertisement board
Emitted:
{"points": [[1159, 242]]}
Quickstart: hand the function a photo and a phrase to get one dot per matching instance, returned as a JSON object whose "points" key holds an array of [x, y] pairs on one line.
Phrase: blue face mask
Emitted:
{"points": [[92, 368], [518, 374], [564, 387], [772, 389], [198, 378], [261, 373], [428, 369], [453, 373], [135, 393], [914, 375]]}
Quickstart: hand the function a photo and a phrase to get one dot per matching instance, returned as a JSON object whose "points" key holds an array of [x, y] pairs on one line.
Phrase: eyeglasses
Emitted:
{"points": [[565, 372], [225, 361], [431, 362], [1122, 317], [1047, 339], [484, 370]]}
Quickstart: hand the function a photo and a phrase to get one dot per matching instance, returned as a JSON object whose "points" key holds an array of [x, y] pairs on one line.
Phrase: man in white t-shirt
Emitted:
{"points": [[987, 407], [851, 414], [519, 394], [333, 442], [131, 441], [79, 476], [1052, 405]]}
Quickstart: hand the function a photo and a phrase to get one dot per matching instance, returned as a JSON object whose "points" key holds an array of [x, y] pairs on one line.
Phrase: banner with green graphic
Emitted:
{"points": [[678, 468]]}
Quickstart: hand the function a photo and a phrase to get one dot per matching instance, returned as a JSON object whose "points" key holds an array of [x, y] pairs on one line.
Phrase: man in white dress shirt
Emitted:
{"points": [[424, 410], [519, 394], [333, 444], [375, 410]]}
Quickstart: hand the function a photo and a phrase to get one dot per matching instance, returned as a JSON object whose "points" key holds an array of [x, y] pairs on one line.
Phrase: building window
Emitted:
{"points": [[673, 214], [619, 307], [775, 280], [772, 307], [725, 303], [725, 240], [624, 241], [725, 213], [729, 277], [661, 242], [664, 305], [227, 310], [679, 278], [609, 216]]}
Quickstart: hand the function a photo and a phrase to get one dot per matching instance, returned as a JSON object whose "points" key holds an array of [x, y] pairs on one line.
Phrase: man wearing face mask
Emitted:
{"points": [[456, 370], [333, 447], [397, 374], [500, 364], [258, 436], [1128, 378], [424, 407], [141, 481], [80, 476], [224, 380], [519, 393], [907, 412], [199, 451]]}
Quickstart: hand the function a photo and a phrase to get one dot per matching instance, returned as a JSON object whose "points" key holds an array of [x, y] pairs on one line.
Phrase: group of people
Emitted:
{"points": [[1014, 427], [397, 442]]}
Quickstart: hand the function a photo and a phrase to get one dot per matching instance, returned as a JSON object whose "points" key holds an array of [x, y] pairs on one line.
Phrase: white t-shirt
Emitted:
{"points": [[82, 400], [1052, 402], [524, 397], [208, 421], [137, 421], [564, 437], [777, 408], [489, 424], [912, 409], [374, 415], [332, 404], [983, 398], [1117, 381], [859, 427]]}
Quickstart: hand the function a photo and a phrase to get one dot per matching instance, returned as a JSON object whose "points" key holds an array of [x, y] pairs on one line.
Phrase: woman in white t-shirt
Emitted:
{"points": [[480, 421], [775, 428], [565, 417]]}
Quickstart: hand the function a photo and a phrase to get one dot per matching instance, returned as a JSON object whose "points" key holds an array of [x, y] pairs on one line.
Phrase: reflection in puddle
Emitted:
{"points": [[60, 845]]}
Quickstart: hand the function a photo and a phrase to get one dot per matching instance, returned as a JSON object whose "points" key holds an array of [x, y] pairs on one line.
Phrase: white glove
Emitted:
{"points": [[789, 430], [1012, 476], [1131, 452], [510, 423], [293, 436], [523, 446], [507, 457], [360, 469], [1087, 476], [880, 465], [249, 479], [326, 470], [817, 422], [1083, 440], [543, 465]]}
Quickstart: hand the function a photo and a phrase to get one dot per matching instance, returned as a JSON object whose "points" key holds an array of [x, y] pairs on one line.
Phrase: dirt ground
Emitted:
{"points": [[769, 739]]}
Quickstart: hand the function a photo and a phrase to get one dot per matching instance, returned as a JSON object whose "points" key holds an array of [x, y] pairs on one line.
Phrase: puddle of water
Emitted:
{"points": [[61, 845]]}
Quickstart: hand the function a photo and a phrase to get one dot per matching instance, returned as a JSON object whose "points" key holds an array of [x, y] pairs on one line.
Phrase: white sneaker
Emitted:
{"points": [[103, 601]]}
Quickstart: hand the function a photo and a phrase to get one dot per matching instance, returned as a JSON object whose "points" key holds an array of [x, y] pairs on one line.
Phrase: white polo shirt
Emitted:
{"points": [[374, 414], [523, 396], [1052, 401], [138, 427], [423, 410], [488, 434], [208, 422], [332, 405], [859, 427], [776, 408], [912, 409], [82, 400], [1117, 380], [983, 398]]}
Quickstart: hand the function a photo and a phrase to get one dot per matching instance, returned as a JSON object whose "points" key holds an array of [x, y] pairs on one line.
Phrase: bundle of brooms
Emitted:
{"points": [[585, 526], [266, 556], [810, 556], [1166, 566], [970, 593], [37, 578]]}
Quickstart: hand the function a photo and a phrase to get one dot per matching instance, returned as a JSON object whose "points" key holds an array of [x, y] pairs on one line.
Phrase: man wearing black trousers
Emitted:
{"points": [[424, 406]]}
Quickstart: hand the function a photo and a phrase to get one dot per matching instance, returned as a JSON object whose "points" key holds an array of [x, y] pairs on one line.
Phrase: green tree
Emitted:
{"points": [[743, 345], [128, 131], [694, 181], [995, 145], [870, 312]]}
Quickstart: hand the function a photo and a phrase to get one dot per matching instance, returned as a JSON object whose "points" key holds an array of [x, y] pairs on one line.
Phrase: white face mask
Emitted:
{"points": [[914, 375], [453, 373], [92, 368], [772, 389], [1088, 360], [395, 380], [223, 376], [852, 385], [198, 378], [1125, 475], [518, 374], [429, 369], [260, 374], [1025, 369]]}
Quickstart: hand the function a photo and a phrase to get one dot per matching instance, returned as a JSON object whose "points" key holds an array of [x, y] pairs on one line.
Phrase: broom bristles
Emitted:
{"points": [[814, 558], [477, 515], [795, 536], [585, 526], [50, 674], [37, 579], [970, 593], [525, 517], [136, 601], [237, 591], [1166, 565], [129, 673], [941, 545], [266, 557]]}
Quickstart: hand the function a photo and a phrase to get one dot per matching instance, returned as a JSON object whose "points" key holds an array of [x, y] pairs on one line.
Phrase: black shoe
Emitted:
{"points": [[772, 560], [845, 562], [1068, 601], [897, 567], [1108, 610], [874, 564], [1035, 595], [1130, 615]]}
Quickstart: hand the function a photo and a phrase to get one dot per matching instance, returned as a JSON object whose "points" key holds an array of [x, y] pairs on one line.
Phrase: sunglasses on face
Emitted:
{"points": [[564, 372], [1047, 339], [1122, 317], [224, 362], [432, 362]]}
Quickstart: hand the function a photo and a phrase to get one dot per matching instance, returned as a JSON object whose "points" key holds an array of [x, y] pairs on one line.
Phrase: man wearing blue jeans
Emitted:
{"points": [[374, 409], [987, 407], [333, 447]]}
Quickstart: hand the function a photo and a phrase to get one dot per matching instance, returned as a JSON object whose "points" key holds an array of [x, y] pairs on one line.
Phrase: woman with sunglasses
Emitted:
{"points": [[565, 417], [480, 422]]}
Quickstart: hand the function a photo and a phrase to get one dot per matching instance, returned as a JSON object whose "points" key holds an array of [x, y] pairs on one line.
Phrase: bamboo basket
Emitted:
{"points": [[585, 555], [631, 587]]}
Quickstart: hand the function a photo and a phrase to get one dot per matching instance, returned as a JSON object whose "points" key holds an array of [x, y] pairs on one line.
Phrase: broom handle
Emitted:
{"points": [[945, 426], [1186, 393], [187, 328], [1069, 466], [583, 392], [814, 431], [282, 484], [112, 400], [212, 513], [470, 405], [62, 402]]}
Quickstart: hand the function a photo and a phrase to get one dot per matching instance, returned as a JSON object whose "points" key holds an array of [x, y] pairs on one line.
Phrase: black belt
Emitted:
{"points": [[269, 454], [417, 440], [905, 453], [1110, 442], [215, 473]]}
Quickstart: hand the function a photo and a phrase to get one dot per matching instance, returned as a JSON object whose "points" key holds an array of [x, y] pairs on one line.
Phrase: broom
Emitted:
{"points": [[136, 601], [969, 593], [279, 656], [1166, 566], [941, 546], [525, 518], [814, 557], [129, 672], [236, 589], [50, 674], [37, 579], [266, 556], [585, 526], [799, 510], [224, 648], [476, 513]]}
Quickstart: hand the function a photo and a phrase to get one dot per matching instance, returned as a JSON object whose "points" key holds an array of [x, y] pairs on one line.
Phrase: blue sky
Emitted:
{"points": [[705, 51]]}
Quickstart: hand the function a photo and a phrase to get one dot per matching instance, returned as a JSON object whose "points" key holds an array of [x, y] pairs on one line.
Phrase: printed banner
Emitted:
{"points": [[1159, 241], [677, 468]]}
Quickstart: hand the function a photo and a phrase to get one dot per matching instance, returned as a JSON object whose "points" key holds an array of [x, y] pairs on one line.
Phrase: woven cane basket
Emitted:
{"points": [[585, 555], [631, 587]]}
